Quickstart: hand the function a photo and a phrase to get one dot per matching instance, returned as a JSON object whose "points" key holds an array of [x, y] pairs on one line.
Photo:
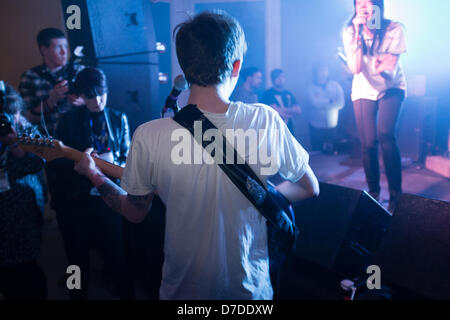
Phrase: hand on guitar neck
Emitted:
{"points": [[51, 149], [133, 208]]}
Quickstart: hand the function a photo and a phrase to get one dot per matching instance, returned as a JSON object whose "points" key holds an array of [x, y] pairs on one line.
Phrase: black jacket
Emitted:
{"points": [[73, 130]]}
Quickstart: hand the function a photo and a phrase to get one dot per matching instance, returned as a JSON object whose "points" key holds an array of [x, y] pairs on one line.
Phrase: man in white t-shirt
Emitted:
{"points": [[215, 239]]}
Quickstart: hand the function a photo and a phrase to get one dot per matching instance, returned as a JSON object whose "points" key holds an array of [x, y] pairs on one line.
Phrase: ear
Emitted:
{"points": [[236, 68]]}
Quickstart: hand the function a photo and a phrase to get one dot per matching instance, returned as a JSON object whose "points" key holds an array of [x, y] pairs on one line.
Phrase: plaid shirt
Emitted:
{"points": [[35, 85]]}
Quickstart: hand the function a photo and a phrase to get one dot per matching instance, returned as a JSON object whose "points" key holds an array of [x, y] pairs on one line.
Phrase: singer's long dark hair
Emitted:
{"points": [[379, 33]]}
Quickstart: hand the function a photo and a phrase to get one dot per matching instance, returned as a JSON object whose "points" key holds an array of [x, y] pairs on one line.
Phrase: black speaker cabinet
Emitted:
{"points": [[415, 253], [341, 229], [367, 229], [119, 38]]}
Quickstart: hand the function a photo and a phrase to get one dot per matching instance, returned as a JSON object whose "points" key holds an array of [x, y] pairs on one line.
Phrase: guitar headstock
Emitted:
{"points": [[47, 148]]}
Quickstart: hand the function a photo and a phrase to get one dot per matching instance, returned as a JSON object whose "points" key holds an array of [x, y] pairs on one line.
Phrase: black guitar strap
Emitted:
{"points": [[240, 173]]}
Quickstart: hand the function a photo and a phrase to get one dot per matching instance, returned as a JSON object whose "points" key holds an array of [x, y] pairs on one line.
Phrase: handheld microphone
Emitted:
{"points": [[179, 85], [360, 30]]}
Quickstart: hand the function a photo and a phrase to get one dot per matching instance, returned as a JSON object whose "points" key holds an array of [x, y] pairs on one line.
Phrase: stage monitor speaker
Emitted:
{"points": [[415, 253], [341, 229], [119, 38], [368, 227]]}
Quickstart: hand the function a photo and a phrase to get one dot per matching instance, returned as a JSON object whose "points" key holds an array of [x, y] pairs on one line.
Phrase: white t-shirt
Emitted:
{"points": [[215, 239], [369, 84]]}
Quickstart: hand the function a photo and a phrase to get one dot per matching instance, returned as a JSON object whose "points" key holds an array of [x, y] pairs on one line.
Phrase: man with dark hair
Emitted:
{"points": [[251, 81], [282, 100], [215, 239], [84, 220], [45, 88]]}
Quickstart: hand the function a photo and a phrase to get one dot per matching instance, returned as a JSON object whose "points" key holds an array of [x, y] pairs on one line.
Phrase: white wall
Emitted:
{"points": [[181, 9]]}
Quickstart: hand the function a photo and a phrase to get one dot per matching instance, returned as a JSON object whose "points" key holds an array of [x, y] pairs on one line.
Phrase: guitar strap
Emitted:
{"points": [[239, 173], [281, 230]]}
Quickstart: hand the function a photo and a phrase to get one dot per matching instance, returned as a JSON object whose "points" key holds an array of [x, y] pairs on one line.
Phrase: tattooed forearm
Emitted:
{"points": [[140, 202], [133, 208], [112, 195]]}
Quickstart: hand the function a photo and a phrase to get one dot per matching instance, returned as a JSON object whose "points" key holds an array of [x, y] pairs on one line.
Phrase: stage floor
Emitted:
{"points": [[347, 171]]}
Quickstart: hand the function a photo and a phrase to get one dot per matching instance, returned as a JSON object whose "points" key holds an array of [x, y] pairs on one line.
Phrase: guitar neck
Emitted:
{"points": [[107, 168]]}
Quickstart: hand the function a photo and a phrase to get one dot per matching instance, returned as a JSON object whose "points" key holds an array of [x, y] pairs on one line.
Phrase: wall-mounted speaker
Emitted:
{"points": [[120, 39]]}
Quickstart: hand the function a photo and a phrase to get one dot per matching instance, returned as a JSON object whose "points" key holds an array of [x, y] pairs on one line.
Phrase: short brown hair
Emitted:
{"points": [[208, 45]]}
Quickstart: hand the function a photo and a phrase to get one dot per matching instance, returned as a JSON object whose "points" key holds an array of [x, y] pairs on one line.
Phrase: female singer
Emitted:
{"points": [[373, 46]]}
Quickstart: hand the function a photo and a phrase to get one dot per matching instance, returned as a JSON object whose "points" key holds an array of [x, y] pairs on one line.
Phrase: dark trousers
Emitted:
{"points": [[23, 282], [90, 224], [373, 132]]}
